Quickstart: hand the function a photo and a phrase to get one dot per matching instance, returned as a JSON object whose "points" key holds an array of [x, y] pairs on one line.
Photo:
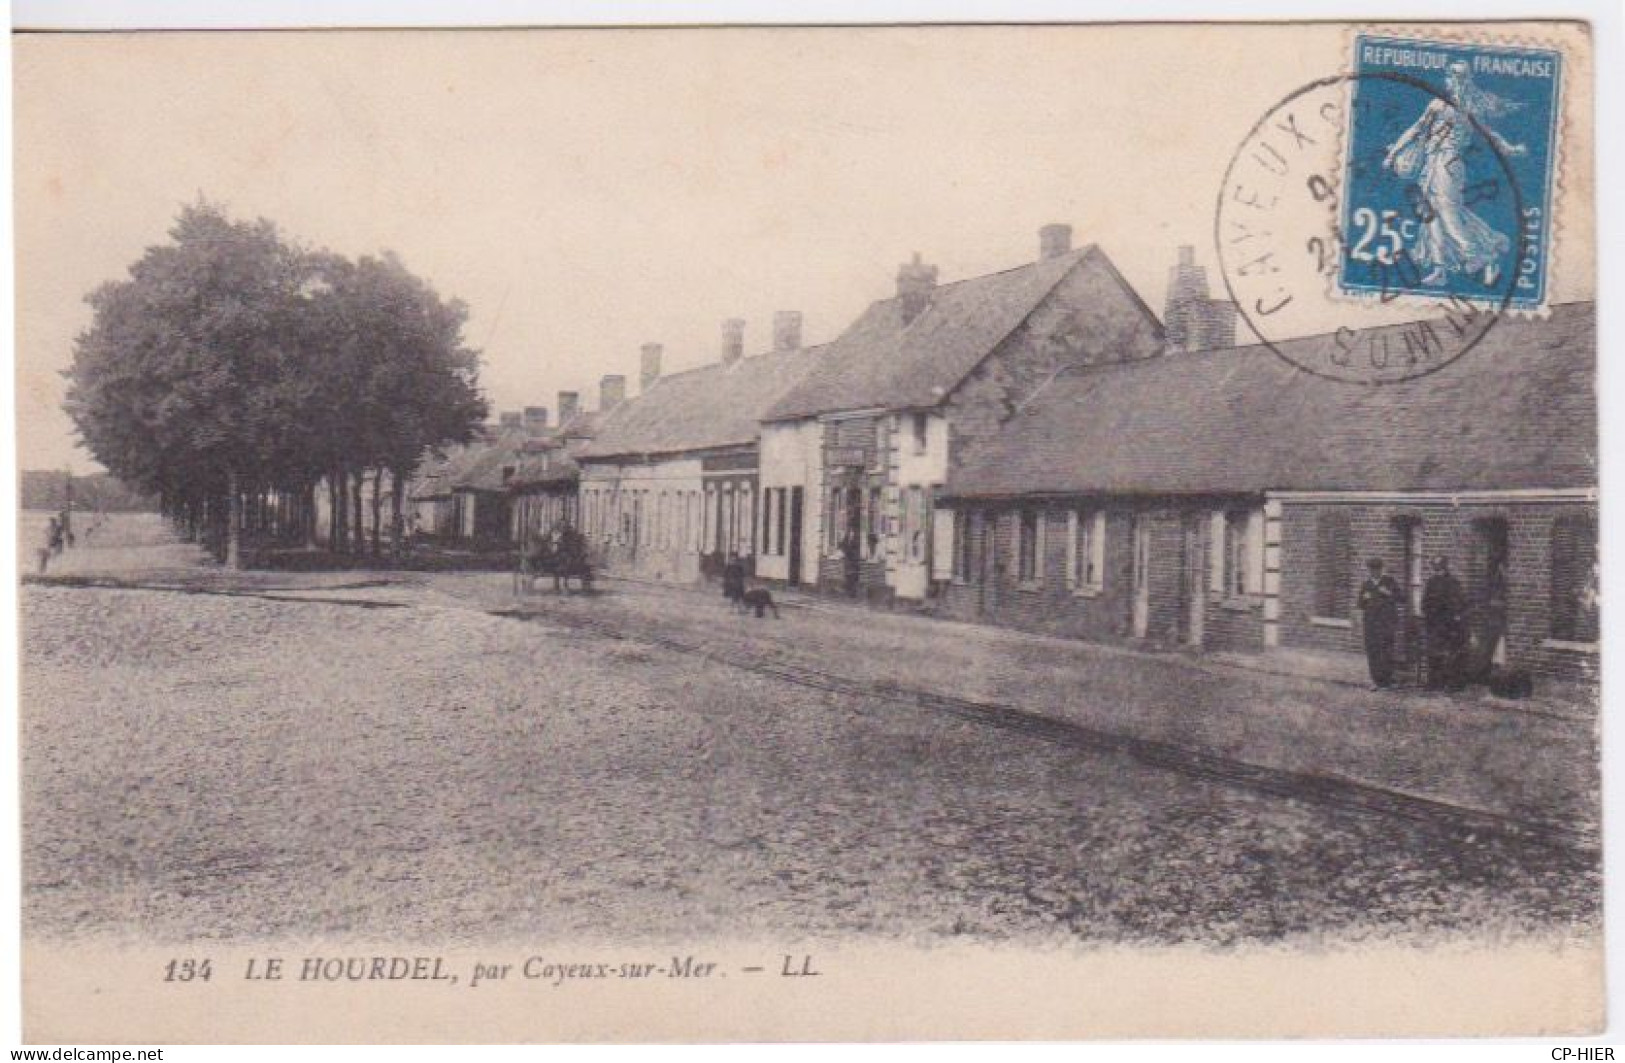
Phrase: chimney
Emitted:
{"points": [[733, 340], [914, 283], [513, 419], [787, 330], [569, 406], [1054, 240], [535, 419], [649, 367], [1191, 320], [611, 392]]}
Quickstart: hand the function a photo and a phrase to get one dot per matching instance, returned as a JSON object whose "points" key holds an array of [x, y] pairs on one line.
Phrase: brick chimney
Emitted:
{"points": [[611, 392], [649, 367], [914, 283], [787, 330], [733, 340], [535, 419], [569, 406], [1192, 320], [1054, 240]]}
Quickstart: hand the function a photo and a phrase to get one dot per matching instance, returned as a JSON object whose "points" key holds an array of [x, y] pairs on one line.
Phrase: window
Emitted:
{"points": [[1236, 553], [1575, 590], [922, 423], [1086, 549], [835, 522], [873, 524], [1334, 562], [914, 524], [1029, 543], [780, 520]]}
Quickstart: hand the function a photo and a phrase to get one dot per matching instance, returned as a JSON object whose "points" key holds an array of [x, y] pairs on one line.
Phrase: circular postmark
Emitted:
{"points": [[1397, 285]]}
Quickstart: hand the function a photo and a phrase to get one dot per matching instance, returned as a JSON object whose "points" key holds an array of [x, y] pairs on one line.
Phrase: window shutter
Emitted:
{"points": [[942, 543], [1255, 552], [1072, 549], [1215, 551], [1097, 549]]}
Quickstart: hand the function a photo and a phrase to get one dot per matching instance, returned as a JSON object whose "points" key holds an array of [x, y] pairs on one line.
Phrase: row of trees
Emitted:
{"points": [[233, 372]]}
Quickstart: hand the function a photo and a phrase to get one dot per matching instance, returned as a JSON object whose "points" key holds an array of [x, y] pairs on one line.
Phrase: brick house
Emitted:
{"points": [[859, 450], [1228, 500], [545, 489], [669, 485]]}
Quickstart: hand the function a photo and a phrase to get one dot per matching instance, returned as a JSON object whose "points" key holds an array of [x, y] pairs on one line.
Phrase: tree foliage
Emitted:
{"points": [[231, 361]]}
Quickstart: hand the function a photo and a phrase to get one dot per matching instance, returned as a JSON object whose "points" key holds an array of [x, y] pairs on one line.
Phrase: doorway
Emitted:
{"points": [[1194, 583], [795, 536], [1141, 576]]}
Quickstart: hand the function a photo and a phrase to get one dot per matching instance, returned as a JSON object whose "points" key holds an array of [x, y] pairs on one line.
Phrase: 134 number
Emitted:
{"points": [[187, 971]]}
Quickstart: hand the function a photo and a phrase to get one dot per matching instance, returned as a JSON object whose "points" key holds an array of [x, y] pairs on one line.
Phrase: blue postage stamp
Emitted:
{"points": [[1449, 180]]}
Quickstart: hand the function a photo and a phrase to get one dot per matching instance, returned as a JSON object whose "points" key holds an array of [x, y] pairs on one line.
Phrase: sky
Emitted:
{"points": [[588, 191]]}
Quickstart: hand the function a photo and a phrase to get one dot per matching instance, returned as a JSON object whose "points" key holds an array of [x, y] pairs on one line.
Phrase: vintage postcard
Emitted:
{"points": [[809, 533]]}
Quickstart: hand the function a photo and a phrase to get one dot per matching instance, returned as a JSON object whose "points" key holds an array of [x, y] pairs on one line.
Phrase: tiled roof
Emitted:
{"points": [[1516, 411], [714, 406], [484, 472], [882, 362], [544, 465]]}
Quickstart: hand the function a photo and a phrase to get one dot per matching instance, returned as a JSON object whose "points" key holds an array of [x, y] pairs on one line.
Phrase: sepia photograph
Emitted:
{"points": [[808, 533]]}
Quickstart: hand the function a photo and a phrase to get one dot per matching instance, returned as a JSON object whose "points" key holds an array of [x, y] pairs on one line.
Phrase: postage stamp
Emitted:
{"points": [[1449, 171]]}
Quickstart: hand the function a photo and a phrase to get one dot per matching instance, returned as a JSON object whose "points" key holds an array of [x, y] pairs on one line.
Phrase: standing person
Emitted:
{"points": [[851, 566], [1444, 626], [52, 545], [733, 579], [1379, 603]]}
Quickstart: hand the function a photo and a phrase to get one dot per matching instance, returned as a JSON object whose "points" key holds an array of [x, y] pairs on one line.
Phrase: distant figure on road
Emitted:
{"points": [[733, 579], [851, 566], [1444, 626], [52, 544], [570, 557], [1492, 623], [66, 521], [1379, 603]]}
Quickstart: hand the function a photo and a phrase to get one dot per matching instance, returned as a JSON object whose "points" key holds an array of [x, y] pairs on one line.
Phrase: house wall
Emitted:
{"points": [[1181, 571], [1443, 529], [643, 519], [1088, 319], [792, 456]]}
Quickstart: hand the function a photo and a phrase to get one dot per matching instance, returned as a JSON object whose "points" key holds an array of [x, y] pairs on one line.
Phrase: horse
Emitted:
{"points": [[543, 558]]}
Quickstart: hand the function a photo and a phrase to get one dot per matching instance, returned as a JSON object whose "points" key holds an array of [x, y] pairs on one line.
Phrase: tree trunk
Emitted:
{"points": [[308, 516], [397, 524], [339, 535], [377, 511], [359, 524], [234, 523], [332, 513]]}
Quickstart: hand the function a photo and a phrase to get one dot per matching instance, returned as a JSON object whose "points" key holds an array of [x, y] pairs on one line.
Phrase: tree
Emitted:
{"points": [[171, 385], [231, 369]]}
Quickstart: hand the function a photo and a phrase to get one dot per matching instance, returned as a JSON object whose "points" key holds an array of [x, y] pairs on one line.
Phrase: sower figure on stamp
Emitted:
{"points": [[1452, 238], [1444, 626], [1379, 603]]}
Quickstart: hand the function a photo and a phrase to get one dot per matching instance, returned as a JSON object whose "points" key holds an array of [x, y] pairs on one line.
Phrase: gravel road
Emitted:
{"points": [[232, 768]]}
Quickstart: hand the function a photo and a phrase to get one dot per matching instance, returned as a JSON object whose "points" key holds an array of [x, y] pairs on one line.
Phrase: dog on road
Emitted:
{"points": [[759, 599]]}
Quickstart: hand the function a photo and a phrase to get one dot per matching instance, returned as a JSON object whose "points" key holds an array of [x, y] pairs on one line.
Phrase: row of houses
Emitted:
{"points": [[1036, 448]]}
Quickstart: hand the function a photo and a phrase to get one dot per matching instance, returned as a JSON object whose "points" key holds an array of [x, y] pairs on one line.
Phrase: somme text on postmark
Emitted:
{"points": [[1376, 224]]}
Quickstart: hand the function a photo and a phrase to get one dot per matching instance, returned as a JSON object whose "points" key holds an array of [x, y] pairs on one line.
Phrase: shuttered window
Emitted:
{"points": [[1334, 563], [1574, 579]]}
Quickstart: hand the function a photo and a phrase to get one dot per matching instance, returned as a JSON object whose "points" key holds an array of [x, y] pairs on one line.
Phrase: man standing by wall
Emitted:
{"points": [[1379, 602], [1444, 623]]}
